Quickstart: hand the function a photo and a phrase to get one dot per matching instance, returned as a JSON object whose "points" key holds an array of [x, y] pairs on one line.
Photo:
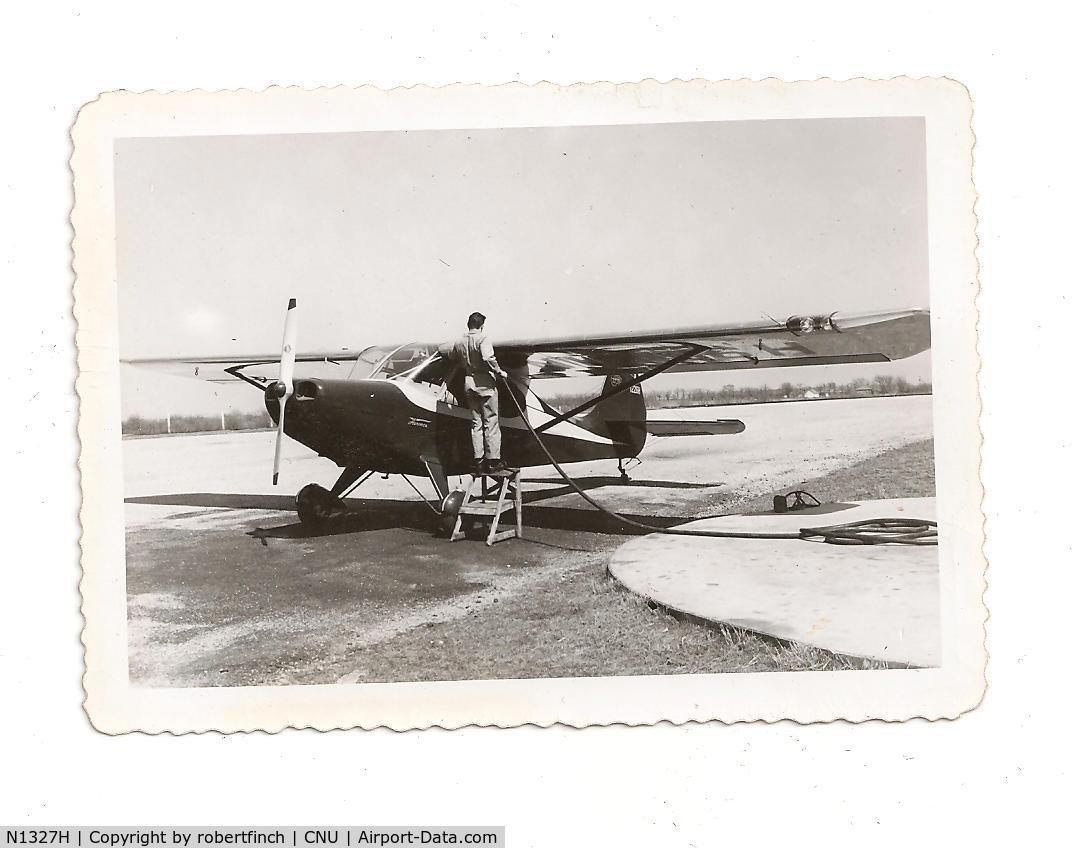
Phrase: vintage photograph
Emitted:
{"points": [[643, 399]]}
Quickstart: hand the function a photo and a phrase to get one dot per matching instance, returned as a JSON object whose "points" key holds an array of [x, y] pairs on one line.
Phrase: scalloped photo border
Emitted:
{"points": [[115, 706]]}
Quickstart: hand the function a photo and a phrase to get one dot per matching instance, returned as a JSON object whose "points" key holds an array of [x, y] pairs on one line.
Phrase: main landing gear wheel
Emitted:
{"points": [[316, 505], [448, 512]]}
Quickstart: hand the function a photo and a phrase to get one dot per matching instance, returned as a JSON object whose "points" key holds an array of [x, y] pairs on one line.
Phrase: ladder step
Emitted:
{"points": [[484, 509], [503, 496]]}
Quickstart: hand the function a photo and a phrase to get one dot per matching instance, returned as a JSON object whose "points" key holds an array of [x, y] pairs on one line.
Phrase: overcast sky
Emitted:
{"points": [[397, 236]]}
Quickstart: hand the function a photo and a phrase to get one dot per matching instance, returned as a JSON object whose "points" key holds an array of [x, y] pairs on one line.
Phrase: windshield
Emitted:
{"points": [[367, 360], [385, 361]]}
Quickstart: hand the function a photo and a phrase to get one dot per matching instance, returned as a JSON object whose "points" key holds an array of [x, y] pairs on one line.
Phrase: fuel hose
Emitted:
{"points": [[877, 531]]}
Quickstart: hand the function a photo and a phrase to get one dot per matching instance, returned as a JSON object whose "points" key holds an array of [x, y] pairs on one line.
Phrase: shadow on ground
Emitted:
{"points": [[595, 482], [368, 514]]}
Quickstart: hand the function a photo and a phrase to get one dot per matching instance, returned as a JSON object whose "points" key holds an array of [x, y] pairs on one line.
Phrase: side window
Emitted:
{"points": [[433, 372], [440, 373]]}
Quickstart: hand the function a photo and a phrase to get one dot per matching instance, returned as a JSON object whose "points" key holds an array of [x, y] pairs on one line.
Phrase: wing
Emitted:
{"points": [[259, 370], [808, 340]]}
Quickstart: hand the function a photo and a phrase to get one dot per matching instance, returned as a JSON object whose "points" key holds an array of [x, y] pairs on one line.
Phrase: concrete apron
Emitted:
{"points": [[870, 601]]}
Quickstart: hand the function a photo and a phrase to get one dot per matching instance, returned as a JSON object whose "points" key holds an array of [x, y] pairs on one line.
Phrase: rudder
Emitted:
{"points": [[621, 417]]}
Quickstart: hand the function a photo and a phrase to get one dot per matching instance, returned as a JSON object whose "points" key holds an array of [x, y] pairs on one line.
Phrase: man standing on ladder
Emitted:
{"points": [[474, 353]]}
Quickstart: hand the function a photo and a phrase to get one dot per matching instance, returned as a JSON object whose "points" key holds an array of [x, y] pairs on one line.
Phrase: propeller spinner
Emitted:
{"points": [[283, 388]]}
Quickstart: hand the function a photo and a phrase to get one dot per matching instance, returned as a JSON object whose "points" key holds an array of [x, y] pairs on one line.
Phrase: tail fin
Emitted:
{"points": [[621, 417]]}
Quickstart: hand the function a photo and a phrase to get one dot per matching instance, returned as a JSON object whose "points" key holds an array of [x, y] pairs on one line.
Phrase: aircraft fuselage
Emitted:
{"points": [[397, 426]]}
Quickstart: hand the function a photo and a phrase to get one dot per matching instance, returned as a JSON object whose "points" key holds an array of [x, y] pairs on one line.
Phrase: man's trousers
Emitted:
{"points": [[487, 439]]}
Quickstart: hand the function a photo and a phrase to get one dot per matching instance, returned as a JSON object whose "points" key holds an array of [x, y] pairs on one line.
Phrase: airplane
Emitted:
{"points": [[395, 409]]}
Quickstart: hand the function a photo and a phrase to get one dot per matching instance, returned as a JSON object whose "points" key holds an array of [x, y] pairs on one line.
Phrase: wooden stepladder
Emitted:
{"points": [[502, 496]]}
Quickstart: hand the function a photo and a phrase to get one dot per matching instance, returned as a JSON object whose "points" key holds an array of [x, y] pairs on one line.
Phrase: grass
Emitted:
{"points": [[905, 472], [591, 627], [577, 621]]}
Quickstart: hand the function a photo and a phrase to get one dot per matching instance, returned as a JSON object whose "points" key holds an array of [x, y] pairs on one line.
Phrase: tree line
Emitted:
{"points": [[137, 425], [881, 386]]}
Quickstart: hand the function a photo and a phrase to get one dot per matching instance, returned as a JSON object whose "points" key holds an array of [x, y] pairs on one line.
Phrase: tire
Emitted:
{"points": [[449, 512], [315, 505]]}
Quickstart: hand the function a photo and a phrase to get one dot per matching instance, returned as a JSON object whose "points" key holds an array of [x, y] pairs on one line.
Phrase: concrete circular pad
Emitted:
{"points": [[873, 601]]}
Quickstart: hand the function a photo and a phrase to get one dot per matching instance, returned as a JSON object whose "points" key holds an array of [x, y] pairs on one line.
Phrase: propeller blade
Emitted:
{"points": [[286, 378], [279, 441], [290, 342]]}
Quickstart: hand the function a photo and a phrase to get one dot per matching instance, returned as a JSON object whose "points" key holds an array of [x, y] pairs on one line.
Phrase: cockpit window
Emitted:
{"points": [[386, 361], [439, 374], [432, 371], [367, 361]]}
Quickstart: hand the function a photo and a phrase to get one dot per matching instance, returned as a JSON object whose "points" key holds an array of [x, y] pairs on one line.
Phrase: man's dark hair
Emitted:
{"points": [[476, 321]]}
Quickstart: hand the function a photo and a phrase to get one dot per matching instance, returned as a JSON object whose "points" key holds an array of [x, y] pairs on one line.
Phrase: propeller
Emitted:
{"points": [[283, 388]]}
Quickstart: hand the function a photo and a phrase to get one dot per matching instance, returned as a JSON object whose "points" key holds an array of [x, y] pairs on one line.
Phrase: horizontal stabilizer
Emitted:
{"points": [[719, 427]]}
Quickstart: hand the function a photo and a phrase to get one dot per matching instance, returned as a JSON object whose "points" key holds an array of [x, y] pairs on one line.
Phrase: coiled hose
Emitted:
{"points": [[876, 531]]}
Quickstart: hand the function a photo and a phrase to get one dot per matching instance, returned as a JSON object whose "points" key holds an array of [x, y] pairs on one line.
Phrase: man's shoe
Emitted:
{"points": [[479, 468], [495, 466]]}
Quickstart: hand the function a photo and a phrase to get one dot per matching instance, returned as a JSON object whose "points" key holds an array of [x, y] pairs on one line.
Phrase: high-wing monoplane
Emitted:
{"points": [[395, 409]]}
